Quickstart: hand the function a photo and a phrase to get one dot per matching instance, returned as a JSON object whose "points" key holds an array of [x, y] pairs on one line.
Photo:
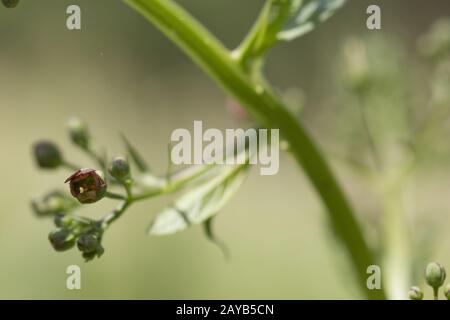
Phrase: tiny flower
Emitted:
{"points": [[47, 155], [61, 239], [447, 291], [10, 3], [435, 275], [79, 133], [87, 185], [88, 242], [120, 169], [415, 293]]}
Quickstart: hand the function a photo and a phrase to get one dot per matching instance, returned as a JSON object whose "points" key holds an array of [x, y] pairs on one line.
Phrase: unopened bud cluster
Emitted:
{"points": [[72, 230], [86, 186], [435, 277]]}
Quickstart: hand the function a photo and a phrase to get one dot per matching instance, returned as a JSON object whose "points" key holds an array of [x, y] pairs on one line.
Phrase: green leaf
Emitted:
{"points": [[135, 156], [308, 16], [200, 204], [209, 232]]}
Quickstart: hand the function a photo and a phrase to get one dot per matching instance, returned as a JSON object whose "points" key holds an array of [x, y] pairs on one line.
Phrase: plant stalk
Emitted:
{"points": [[266, 107]]}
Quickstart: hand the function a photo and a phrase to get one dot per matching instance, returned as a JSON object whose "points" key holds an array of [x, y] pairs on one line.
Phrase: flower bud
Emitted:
{"points": [[356, 73], [447, 291], [79, 133], [415, 293], [87, 185], [120, 169], [47, 155], [88, 242], [62, 220], [10, 3], [435, 275], [61, 239]]}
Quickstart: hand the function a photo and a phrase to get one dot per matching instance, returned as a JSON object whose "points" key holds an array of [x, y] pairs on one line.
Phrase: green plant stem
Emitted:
{"points": [[368, 132], [396, 264], [262, 35], [261, 102], [174, 184], [116, 196], [436, 293], [95, 157], [115, 214], [70, 166], [396, 238]]}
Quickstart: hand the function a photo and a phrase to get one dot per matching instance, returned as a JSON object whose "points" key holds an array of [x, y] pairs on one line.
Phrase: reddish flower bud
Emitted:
{"points": [[87, 185]]}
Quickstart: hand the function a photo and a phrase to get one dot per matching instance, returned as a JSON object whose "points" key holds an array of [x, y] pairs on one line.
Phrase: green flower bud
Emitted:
{"points": [[62, 220], [61, 239], [90, 245], [120, 169], [47, 155], [357, 75], [88, 242], [87, 185], [10, 3], [415, 293], [435, 275], [447, 291], [79, 133]]}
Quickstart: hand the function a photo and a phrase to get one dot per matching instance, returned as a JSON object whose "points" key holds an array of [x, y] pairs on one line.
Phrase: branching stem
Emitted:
{"points": [[261, 102]]}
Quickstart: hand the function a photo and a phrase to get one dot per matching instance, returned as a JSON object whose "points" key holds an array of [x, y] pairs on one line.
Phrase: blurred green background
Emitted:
{"points": [[121, 75]]}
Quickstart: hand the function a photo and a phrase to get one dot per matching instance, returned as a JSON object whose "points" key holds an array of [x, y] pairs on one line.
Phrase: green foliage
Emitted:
{"points": [[306, 17], [199, 204], [240, 73], [284, 20], [138, 160]]}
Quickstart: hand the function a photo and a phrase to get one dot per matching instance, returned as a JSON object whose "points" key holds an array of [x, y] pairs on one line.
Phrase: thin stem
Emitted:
{"points": [[436, 293], [70, 166], [116, 196], [267, 108], [101, 162], [262, 35], [244, 51], [370, 138], [115, 214]]}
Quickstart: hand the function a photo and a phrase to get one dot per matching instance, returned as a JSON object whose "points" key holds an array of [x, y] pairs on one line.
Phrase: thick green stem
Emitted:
{"points": [[396, 263], [261, 102], [396, 237]]}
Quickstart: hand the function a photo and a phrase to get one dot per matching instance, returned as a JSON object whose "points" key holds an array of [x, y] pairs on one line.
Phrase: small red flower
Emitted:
{"points": [[87, 185]]}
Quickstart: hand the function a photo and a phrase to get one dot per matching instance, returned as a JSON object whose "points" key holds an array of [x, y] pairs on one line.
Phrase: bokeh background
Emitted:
{"points": [[121, 75]]}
